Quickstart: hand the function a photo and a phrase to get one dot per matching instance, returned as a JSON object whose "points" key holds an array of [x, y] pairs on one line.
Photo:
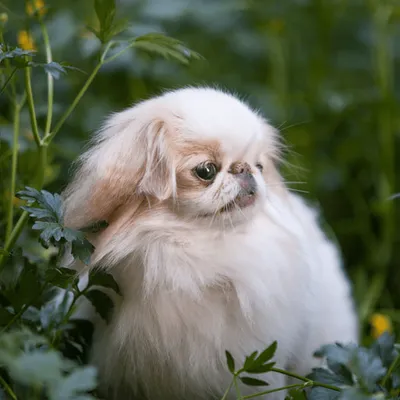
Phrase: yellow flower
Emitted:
{"points": [[3, 18], [25, 41], [380, 324], [35, 6]]}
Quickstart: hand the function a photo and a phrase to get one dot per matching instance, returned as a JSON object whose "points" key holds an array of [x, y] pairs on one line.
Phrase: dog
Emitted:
{"points": [[211, 250]]}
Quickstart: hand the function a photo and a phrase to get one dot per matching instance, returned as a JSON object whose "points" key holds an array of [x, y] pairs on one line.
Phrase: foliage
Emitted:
{"points": [[323, 72], [352, 373]]}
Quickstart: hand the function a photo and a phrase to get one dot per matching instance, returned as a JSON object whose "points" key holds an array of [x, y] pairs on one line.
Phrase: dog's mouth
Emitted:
{"points": [[239, 202]]}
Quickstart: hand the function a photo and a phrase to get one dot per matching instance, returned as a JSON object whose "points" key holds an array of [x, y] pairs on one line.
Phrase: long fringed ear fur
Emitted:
{"points": [[129, 158]]}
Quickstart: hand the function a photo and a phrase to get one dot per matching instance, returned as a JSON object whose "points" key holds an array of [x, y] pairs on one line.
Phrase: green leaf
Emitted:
{"points": [[336, 353], [261, 368], [27, 288], [330, 378], [61, 277], [342, 373], [230, 362], [296, 394], [249, 360], [16, 55], [82, 249], [166, 47], [47, 201], [253, 381], [101, 302], [50, 222], [367, 367], [52, 68], [109, 27], [265, 356], [101, 278], [384, 348]]}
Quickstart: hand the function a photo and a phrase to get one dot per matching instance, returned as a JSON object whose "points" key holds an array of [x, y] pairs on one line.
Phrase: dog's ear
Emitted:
{"points": [[130, 157]]}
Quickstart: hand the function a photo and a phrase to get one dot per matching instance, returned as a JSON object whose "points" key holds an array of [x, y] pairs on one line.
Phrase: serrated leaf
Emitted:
{"points": [[105, 11], [61, 277], [15, 54], [336, 353], [341, 371], [230, 362], [47, 201], [253, 381], [52, 68], [325, 376], [101, 302], [367, 367], [82, 249], [166, 47], [102, 278], [265, 356], [261, 369], [249, 360], [384, 348], [50, 231], [40, 213]]}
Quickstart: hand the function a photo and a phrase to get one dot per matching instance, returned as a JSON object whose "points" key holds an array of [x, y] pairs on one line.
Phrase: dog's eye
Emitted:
{"points": [[206, 171], [260, 166]]}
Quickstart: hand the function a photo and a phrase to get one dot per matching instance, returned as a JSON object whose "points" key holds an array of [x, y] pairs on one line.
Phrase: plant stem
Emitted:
{"points": [[224, 397], [251, 396], [235, 382], [10, 76], [41, 169], [16, 317], [8, 389], [14, 162], [302, 378], [50, 136], [50, 81], [384, 75], [392, 367], [31, 105]]}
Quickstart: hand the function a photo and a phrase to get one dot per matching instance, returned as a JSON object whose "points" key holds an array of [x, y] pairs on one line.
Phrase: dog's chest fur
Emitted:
{"points": [[189, 299]]}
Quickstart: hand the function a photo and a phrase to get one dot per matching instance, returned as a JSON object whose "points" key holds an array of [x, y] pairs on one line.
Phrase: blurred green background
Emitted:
{"points": [[325, 72]]}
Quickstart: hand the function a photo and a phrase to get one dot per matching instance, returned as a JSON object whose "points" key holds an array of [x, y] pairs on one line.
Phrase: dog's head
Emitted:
{"points": [[200, 153]]}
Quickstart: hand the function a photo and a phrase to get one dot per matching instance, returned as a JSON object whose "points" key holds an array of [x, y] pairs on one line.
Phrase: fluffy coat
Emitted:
{"points": [[198, 278]]}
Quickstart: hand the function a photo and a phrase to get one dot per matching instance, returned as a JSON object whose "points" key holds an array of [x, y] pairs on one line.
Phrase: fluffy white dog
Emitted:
{"points": [[210, 249]]}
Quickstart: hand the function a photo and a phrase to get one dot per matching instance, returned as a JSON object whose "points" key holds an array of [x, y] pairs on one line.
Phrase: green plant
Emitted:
{"points": [[352, 373]]}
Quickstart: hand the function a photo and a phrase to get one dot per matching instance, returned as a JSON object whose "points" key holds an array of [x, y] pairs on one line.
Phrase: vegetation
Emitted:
{"points": [[323, 72]]}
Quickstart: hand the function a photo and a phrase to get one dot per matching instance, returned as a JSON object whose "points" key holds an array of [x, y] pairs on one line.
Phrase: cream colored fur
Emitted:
{"points": [[196, 281]]}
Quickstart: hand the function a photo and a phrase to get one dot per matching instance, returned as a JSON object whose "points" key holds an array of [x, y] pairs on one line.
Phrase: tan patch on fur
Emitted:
{"points": [[187, 183]]}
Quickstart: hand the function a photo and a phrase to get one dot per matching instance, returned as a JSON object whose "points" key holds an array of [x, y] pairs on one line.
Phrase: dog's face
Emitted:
{"points": [[200, 153]]}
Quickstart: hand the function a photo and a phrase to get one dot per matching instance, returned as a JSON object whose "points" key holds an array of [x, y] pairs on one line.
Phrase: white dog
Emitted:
{"points": [[210, 249]]}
